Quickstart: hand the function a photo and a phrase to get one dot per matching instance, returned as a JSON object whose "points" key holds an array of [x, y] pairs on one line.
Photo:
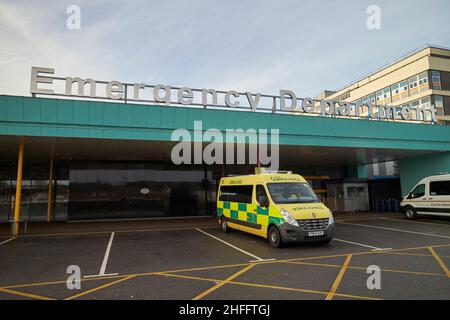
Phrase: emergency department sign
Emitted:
{"points": [[44, 82]]}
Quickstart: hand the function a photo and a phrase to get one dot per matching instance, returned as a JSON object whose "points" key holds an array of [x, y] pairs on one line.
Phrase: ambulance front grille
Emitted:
{"points": [[313, 224]]}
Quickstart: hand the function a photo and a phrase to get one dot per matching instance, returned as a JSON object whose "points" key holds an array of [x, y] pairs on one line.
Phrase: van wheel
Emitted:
{"points": [[411, 213], [274, 237], [224, 226]]}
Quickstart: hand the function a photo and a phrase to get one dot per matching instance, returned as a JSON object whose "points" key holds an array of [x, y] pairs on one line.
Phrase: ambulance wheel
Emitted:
{"points": [[274, 237], [224, 226], [410, 212]]}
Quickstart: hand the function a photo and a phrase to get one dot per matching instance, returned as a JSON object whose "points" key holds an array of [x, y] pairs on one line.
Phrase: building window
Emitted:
{"points": [[404, 93], [423, 81], [413, 85], [386, 95], [436, 79], [395, 90], [343, 97], [439, 105], [365, 100], [425, 102], [417, 105], [425, 105], [379, 96]]}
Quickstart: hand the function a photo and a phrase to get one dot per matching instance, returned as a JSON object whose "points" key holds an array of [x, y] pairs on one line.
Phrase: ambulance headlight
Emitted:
{"points": [[288, 218], [331, 219]]}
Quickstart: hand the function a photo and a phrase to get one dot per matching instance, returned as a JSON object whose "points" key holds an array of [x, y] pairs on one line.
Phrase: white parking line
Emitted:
{"points": [[257, 259], [421, 222], [397, 230], [6, 241], [105, 260], [362, 245], [358, 218]]}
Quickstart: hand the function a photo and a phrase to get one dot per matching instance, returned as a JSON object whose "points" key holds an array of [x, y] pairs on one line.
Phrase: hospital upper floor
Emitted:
{"points": [[418, 79]]}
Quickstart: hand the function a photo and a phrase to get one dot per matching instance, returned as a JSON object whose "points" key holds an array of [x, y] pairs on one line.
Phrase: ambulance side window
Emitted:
{"points": [[261, 196], [240, 194]]}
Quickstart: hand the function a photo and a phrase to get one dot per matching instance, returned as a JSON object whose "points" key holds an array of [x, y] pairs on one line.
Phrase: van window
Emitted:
{"points": [[440, 188], [418, 192], [292, 192], [242, 194]]}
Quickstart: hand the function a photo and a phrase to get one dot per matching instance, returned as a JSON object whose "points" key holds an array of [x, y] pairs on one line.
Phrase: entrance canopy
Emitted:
{"points": [[38, 149]]}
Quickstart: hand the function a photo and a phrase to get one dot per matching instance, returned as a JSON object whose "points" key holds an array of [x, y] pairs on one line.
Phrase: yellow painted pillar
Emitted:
{"points": [[50, 189], [18, 190]]}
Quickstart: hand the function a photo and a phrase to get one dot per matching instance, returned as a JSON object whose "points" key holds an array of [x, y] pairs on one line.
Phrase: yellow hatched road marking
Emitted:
{"points": [[38, 284], [224, 282], [24, 294], [224, 266], [267, 286], [439, 260], [408, 254], [363, 268], [187, 277], [301, 290], [338, 279], [98, 288]]}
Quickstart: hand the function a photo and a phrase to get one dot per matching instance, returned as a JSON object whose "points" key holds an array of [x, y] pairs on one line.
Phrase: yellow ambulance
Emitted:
{"points": [[279, 206]]}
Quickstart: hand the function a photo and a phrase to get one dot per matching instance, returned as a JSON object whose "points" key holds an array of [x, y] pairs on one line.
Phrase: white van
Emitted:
{"points": [[431, 196]]}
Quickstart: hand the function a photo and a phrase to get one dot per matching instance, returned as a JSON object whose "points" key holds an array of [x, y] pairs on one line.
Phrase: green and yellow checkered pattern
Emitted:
{"points": [[248, 212]]}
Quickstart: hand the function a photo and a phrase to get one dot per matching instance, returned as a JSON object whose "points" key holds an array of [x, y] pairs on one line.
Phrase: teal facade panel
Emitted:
{"points": [[113, 120], [13, 109], [414, 169], [64, 111]]}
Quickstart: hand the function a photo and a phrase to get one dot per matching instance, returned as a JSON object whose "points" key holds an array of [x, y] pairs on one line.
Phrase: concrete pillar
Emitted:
{"points": [[416, 168]]}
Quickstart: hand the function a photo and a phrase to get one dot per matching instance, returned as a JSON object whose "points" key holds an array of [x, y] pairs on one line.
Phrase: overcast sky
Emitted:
{"points": [[258, 46]]}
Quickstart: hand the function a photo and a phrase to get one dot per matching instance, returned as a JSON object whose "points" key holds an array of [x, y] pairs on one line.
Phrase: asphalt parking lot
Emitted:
{"points": [[198, 261]]}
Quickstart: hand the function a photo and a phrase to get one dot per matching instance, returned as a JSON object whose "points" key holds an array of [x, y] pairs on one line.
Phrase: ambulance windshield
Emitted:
{"points": [[292, 192]]}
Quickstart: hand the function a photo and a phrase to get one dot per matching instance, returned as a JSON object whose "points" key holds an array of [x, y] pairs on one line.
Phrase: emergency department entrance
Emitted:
{"points": [[78, 159]]}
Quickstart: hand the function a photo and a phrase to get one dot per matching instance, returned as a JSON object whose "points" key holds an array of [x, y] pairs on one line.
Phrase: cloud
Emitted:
{"points": [[31, 38], [259, 46]]}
